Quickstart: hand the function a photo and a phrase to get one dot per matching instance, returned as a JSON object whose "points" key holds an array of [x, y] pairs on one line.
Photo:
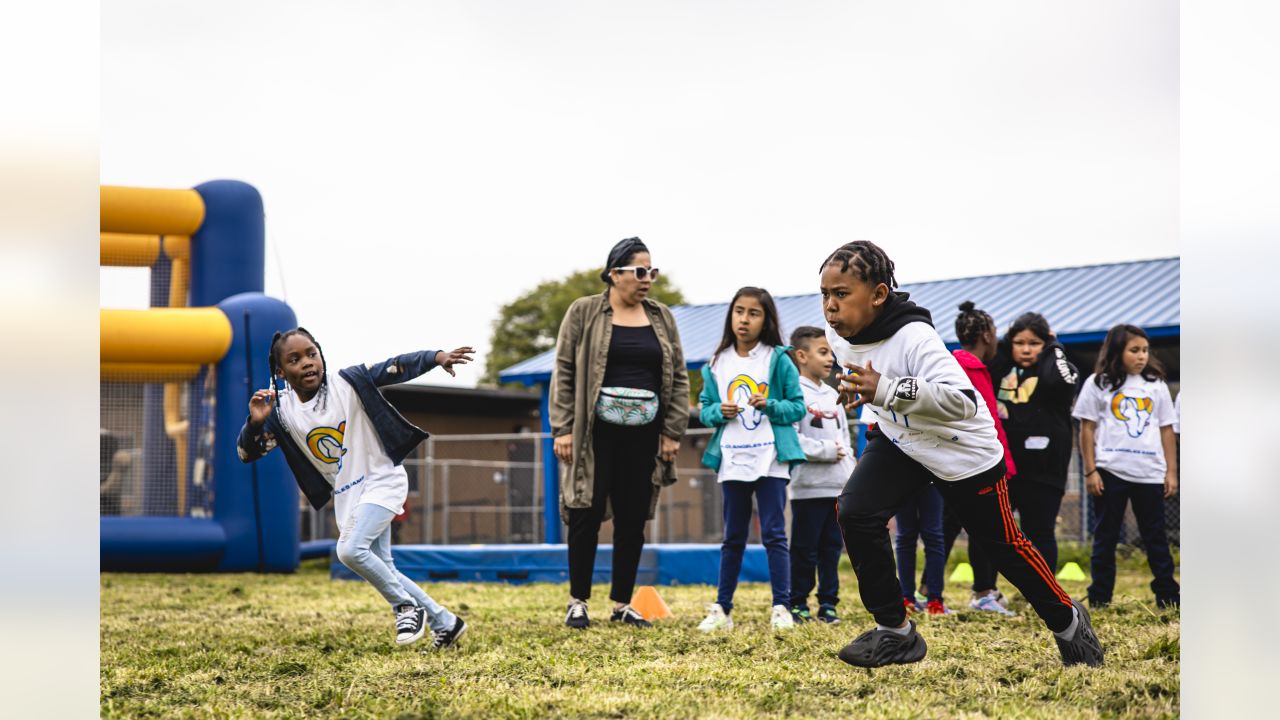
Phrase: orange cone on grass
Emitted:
{"points": [[649, 603]]}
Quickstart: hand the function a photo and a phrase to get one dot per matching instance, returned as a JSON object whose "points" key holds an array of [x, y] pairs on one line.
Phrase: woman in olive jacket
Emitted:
{"points": [[1035, 385], [619, 403]]}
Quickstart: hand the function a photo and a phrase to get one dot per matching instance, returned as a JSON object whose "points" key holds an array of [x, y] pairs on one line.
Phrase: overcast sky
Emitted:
{"points": [[422, 163]]}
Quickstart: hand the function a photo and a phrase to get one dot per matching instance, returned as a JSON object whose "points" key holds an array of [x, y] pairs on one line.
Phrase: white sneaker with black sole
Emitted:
{"points": [[411, 624]]}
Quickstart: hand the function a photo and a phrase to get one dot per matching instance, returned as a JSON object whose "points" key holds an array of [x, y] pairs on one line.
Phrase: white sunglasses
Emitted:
{"points": [[641, 271]]}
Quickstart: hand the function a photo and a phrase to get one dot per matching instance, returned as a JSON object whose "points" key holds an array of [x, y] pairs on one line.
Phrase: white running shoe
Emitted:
{"points": [[989, 603], [781, 618], [717, 620]]}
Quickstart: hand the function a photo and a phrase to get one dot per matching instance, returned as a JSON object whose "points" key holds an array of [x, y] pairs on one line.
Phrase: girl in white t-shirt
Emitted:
{"points": [[343, 440], [751, 395], [1126, 438]]}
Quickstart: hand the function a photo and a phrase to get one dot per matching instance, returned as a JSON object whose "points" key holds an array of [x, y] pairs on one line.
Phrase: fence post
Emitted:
{"points": [[550, 475], [444, 505], [428, 492]]}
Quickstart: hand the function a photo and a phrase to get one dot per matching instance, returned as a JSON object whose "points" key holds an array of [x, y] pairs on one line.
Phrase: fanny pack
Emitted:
{"points": [[626, 406]]}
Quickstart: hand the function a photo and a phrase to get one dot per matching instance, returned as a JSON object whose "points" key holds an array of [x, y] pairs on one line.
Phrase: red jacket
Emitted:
{"points": [[981, 379]]}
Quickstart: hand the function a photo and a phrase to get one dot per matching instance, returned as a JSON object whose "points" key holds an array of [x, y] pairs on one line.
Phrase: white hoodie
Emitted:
{"points": [[925, 403], [823, 430]]}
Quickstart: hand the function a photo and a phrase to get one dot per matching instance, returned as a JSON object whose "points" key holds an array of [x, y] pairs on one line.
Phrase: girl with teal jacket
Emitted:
{"points": [[751, 395]]}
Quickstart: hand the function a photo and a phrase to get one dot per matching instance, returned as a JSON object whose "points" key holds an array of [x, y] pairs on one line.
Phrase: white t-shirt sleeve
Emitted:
{"points": [[1088, 404], [1177, 415], [1165, 414]]}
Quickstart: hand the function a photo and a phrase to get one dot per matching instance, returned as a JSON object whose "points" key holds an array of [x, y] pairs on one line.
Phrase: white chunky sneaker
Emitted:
{"points": [[716, 619], [780, 618]]}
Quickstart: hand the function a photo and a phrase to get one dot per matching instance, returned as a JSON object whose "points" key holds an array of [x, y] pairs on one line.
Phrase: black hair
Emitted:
{"points": [[1032, 321], [865, 260], [620, 255], [801, 338], [277, 371], [803, 335], [1109, 372], [971, 323], [770, 334]]}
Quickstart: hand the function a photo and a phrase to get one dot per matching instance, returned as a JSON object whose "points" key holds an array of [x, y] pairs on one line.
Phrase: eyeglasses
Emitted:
{"points": [[641, 271]]}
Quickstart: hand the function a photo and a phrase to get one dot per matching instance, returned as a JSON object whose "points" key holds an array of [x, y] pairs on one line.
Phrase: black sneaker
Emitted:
{"points": [[628, 616], [411, 624], [827, 614], [1083, 647], [801, 614], [577, 618], [448, 638], [877, 648]]}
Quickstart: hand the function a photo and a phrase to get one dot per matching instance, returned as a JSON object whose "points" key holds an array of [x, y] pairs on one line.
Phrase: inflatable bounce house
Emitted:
{"points": [[176, 379]]}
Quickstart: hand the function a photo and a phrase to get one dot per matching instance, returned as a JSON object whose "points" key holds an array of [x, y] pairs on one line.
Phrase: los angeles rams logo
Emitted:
{"points": [[325, 444], [1135, 412], [741, 388]]}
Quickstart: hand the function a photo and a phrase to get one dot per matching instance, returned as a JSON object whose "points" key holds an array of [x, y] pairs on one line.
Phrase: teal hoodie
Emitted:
{"points": [[784, 407]]}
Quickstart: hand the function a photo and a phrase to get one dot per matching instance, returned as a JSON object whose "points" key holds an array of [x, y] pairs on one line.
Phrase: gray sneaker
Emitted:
{"points": [[1083, 647]]}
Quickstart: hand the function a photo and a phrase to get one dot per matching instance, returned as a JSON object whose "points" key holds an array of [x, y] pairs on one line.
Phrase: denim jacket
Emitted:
{"points": [[398, 436]]}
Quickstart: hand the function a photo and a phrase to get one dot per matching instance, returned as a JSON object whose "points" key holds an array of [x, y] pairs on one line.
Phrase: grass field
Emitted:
{"points": [[304, 646]]}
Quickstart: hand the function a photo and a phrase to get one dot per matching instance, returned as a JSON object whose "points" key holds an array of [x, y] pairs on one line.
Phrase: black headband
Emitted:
{"points": [[620, 253]]}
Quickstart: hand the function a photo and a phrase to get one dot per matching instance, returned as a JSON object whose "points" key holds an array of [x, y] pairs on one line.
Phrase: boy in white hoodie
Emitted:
{"points": [[930, 429], [815, 485]]}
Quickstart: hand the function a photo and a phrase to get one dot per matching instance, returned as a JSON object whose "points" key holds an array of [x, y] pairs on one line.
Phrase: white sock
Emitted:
{"points": [[903, 631], [1071, 629]]}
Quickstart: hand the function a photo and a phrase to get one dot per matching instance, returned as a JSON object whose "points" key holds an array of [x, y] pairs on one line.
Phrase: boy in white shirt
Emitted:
{"points": [[815, 485], [931, 428]]}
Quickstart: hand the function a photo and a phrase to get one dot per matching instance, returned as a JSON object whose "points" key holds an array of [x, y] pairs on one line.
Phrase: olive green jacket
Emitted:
{"points": [[582, 351]]}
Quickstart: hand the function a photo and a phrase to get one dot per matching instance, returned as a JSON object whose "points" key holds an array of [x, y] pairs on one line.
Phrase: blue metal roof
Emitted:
{"points": [[1080, 303]]}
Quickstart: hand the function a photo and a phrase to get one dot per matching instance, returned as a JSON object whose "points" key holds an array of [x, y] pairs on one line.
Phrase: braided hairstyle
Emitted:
{"points": [[971, 323], [866, 261], [277, 369]]}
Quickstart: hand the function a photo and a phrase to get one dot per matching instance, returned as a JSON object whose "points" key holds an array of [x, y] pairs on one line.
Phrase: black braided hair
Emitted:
{"points": [[273, 359], [971, 323], [865, 260]]}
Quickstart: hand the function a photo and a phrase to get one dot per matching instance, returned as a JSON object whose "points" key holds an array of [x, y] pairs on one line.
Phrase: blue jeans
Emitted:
{"points": [[365, 547], [1148, 510], [771, 497], [921, 517], [815, 543]]}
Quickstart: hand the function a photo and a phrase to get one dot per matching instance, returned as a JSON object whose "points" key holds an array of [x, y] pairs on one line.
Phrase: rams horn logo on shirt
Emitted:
{"points": [[1135, 412], [325, 443], [745, 387]]}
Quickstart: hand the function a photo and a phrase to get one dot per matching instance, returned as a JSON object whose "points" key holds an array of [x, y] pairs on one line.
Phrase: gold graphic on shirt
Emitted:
{"points": [[325, 443]]}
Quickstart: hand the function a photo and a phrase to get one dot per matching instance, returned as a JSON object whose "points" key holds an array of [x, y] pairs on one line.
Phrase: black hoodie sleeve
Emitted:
{"points": [[1058, 376]]}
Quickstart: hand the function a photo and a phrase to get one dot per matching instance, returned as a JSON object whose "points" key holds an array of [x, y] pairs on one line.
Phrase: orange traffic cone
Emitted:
{"points": [[650, 604]]}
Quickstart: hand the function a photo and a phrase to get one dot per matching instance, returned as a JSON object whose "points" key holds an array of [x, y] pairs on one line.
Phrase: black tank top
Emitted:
{"points": [[635, 359]]}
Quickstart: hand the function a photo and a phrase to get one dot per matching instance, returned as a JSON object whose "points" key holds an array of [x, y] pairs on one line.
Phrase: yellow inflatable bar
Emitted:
{"points": [[149, 211], [164, 336]]}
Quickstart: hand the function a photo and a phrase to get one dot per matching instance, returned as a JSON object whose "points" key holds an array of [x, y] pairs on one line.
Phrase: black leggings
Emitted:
{"points": [[884, 478], [984, 573], [625, 458]]}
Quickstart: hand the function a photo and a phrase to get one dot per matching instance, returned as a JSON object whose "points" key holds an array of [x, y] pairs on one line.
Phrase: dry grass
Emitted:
{"points": [[305, 646]]}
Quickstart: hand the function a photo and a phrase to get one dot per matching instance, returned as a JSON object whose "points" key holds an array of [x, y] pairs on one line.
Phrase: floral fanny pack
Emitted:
{"points": [[626, 406]]}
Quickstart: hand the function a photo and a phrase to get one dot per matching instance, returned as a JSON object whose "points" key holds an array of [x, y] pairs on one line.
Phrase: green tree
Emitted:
{"points": [[528, 325]]}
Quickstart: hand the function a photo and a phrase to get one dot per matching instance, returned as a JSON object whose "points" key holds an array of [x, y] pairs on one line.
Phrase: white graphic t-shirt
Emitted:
{"points": [[746, 445], [1127, 439], [339, 439]]}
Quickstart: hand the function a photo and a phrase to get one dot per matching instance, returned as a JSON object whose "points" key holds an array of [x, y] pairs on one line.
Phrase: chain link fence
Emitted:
{"points": [[488, 489]]}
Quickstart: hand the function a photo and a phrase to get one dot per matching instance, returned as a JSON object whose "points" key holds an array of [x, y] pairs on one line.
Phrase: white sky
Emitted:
{"points": [[422, 163]]}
